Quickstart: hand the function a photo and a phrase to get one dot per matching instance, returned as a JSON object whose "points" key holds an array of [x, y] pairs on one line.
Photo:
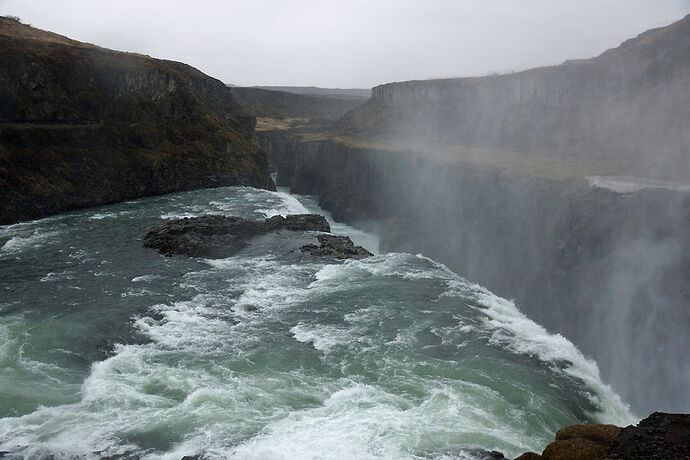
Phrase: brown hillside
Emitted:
{"points": [[82, 125]]}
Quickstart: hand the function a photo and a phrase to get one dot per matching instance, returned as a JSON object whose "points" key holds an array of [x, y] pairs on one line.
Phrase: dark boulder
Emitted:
{"points": [[659, 436], [222, 236], [339, 247]]}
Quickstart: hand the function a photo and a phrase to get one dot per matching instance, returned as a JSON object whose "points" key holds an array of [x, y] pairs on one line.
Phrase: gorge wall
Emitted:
{"points": [[317, 108], [608, 270], [490, 176], [81, 126], [628, 108]]}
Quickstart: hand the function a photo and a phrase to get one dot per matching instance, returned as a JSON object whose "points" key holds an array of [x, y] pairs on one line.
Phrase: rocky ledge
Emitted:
{"points": [[215, 236], [659, 436], [340, 247]]}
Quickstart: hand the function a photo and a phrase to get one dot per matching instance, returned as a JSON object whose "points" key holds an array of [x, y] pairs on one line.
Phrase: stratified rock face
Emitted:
{"points": [[629, 108], [82, 125], [222, 236], [659, 436]]}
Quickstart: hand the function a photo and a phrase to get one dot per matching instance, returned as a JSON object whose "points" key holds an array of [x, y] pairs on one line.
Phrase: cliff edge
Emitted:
{"points": [[82, 126], [627, 110]]}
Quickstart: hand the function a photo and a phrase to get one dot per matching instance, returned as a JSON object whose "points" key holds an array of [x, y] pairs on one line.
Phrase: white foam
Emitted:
{"points": [[323, 338], [512, 329], [287, 204], [362, 421], [144, 278], [20, 243], [175, 215], [100, 216], [57, 276], [625, 184]]}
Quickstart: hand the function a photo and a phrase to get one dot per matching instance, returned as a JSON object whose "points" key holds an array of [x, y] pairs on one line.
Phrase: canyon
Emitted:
{"points": [[564, 188]]}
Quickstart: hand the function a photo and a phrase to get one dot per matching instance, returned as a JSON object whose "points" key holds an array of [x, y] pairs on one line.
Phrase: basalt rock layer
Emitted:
{"points": [[82, 125], [339, 247], [628, 108]]}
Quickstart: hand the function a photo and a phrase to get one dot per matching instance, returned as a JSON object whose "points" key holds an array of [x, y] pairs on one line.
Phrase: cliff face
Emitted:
{"points": [[628, 108], [82, 125]]}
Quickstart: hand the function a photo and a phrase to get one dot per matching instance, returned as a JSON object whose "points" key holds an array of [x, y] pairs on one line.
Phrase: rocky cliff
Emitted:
{"points": [[628, 108], [82, 125]]}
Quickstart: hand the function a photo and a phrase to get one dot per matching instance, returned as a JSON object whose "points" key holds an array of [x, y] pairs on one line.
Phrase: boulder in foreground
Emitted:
{"points": [[659, 436]]}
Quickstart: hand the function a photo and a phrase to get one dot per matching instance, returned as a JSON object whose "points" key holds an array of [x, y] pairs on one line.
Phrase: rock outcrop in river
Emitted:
{"points": [[223, 236], [82, 125]]}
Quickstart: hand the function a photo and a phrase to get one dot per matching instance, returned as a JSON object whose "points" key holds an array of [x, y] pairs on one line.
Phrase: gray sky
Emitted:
{"points": [[353, 43]]}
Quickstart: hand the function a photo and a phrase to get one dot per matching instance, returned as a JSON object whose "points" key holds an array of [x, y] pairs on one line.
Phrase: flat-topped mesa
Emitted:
{"points": [[638, 60], [82, 126], [537, 85]]}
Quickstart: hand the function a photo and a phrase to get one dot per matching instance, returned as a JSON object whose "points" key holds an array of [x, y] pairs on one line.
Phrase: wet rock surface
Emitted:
{"points": [[574, 449], [659, 436], [215, 236], [340, 247]]}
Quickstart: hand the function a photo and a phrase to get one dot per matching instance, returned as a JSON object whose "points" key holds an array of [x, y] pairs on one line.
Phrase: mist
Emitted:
{"points": [[564, 188], [483, 240]]}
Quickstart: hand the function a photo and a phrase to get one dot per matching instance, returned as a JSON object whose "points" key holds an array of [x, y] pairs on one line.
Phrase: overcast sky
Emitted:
{"points": [[351, 43]]}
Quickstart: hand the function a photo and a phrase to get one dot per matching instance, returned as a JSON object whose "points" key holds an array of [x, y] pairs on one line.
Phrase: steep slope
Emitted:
{"points": [[308, 108], [282, 116], [628, 109], [81, 125]]}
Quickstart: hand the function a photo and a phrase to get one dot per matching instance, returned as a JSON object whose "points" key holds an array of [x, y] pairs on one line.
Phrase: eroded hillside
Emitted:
{"points": [[81, 125]]}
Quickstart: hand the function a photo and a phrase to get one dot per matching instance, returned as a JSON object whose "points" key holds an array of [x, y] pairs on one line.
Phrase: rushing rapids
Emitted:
{"points": [[108, 348]]}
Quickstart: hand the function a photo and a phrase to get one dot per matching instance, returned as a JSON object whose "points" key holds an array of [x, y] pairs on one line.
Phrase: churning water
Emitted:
{"points": [[109, 349]]}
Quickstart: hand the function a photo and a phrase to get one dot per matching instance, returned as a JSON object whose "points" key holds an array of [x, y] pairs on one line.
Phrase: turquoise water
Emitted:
{"points": [[109, 349]]}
